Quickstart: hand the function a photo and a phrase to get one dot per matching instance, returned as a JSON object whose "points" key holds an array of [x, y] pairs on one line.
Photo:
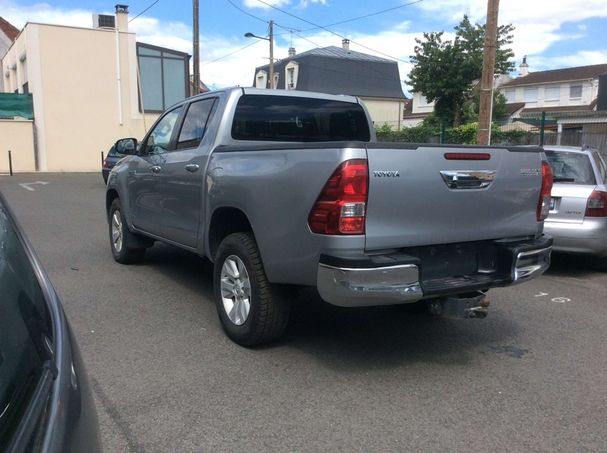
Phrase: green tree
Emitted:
{"points": [[444, 71], [472, 106]]}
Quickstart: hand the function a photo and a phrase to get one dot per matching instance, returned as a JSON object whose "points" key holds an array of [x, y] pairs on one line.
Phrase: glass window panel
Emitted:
{"points": [[552, 93], [575, 91], [159, 140], [530, 94], [147, 51], [288, 119], [510, 94], [571, 168], [195, 123], [151, 83], [174, 81], [24, 326]]}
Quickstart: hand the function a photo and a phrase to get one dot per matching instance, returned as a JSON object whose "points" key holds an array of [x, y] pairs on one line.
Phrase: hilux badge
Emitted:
{"points": [[530, 171]]}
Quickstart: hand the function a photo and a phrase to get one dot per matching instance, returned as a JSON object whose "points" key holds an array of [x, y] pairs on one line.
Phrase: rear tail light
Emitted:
{"points": [[105, 163], [596, 206], [543, 205], [341, 206]]}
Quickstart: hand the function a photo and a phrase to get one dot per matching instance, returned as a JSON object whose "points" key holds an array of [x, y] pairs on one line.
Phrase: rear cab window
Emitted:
{"points": [[25, 330], [571, 168], [298, 119]]}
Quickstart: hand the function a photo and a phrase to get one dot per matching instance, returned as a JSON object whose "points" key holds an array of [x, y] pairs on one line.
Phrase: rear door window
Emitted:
{"points": [[195, 123], [572, 168], [298, 119], [25, 330]]}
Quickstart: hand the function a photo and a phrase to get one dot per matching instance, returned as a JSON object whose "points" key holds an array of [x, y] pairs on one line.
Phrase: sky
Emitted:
{"points": [[552, 33]]}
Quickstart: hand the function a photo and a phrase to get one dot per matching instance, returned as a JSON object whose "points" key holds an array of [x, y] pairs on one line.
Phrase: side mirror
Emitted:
{"points": [[126, 146]]}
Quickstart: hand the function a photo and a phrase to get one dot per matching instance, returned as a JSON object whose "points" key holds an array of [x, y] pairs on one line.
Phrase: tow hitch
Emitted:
{"points": [[471, 305]]}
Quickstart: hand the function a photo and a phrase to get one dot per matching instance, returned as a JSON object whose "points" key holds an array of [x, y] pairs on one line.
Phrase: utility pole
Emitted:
{"points": [[271, 37], [486, 101], [196, 45]]}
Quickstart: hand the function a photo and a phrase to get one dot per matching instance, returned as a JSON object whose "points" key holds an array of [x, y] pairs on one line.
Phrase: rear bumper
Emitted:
{"points": [[588, 237], [400, 278]]}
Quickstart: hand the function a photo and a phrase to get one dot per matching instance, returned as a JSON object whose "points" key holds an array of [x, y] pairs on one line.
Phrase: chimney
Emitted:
{"points": [[523, 68], [122, 18], [601, 102], [345, 44], [291, 51]]}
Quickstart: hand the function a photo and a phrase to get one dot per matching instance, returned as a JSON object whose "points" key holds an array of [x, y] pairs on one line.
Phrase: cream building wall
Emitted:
{"points": [[18, 137], [385, 111], [72, 74]]}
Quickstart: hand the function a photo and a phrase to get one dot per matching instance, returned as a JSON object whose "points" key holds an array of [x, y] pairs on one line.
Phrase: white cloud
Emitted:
{"points": [[538, 22], [581, 58], [266, 5], [538, 26]]}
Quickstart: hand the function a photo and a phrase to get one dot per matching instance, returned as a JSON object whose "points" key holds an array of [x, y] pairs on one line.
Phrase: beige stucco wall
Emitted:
{"points": [[385, 111], [18, 137], [72, 75]]}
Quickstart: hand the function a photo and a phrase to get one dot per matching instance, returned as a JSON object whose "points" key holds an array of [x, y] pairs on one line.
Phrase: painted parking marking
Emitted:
{"points": [[560, 300], [26, 185]]}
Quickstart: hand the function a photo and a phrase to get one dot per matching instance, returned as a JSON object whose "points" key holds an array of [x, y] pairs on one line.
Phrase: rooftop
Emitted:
{"points": [[339, 52], [559, 75], [8, 29]]}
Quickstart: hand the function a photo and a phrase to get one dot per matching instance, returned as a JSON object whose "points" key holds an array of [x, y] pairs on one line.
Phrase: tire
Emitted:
{"points": [[123, 243], [261, 317]]}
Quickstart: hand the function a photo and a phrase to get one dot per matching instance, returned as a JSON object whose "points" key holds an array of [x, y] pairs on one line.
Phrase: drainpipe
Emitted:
{"points": [[122, 12]]}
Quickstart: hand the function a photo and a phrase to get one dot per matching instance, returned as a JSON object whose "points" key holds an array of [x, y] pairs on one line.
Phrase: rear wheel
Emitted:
{"points": [[251, 310], [123, 243]]}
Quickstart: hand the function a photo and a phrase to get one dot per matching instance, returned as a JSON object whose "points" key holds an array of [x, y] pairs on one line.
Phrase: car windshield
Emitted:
{"points": [[573, 168]]}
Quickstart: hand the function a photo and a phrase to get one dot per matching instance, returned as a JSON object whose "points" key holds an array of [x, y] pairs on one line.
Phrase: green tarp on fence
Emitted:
{"points": [[13, 104]]}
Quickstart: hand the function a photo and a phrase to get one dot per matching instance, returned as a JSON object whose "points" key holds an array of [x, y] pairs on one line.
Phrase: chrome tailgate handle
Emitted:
{"points": [[468, 179]]}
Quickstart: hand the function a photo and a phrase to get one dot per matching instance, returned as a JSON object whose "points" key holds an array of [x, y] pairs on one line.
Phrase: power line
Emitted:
{"points": [[246, 12], [234, 52], [366, 15], [331, 31], [152, 4]]}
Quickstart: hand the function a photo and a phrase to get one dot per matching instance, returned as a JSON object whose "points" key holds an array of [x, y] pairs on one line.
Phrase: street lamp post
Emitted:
{"points": [[270, 38]]}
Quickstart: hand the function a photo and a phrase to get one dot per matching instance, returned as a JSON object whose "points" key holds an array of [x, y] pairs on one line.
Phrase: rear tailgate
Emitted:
{"points": [[411, 204], [568, 203]]}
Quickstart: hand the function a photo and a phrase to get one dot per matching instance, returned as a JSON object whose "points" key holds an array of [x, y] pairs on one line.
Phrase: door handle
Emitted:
{"points": [[156, 169], [192, 167]]}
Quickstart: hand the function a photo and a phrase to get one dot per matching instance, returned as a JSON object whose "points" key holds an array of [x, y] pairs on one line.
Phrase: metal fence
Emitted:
{"points": [[576, 129]]}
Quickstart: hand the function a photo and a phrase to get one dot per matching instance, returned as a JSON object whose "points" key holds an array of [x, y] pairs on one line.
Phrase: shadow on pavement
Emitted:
{"points": [[353, 338], [572, 266]]}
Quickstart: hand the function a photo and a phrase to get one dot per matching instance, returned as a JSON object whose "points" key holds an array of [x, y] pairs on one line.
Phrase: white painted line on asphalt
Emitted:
{"points": [[26, 185], [541, 294], [560, 300]]}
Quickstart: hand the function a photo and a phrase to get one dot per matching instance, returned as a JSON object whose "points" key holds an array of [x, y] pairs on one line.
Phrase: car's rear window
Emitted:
{"points": [[571, 168], [298, 119]]}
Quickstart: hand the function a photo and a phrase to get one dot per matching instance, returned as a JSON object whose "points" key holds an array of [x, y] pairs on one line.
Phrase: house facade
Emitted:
{"points": [[559, 90], [87, 90], [339, 70], [573, 102]]}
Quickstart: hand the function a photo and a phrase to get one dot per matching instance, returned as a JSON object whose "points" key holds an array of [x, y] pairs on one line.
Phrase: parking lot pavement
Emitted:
{"points": [[530, 377]]}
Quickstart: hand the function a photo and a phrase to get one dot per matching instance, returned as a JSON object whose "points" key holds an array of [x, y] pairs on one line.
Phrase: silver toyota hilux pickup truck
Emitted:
{"points": [[281, 189]]}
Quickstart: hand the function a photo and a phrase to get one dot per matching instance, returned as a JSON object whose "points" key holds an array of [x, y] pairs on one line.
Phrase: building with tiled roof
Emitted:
{"points": [[558, 90], [339, 70], [8, 33]]}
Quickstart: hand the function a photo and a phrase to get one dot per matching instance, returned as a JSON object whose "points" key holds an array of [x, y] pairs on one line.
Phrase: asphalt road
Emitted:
{"points": [[530, 377]]}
